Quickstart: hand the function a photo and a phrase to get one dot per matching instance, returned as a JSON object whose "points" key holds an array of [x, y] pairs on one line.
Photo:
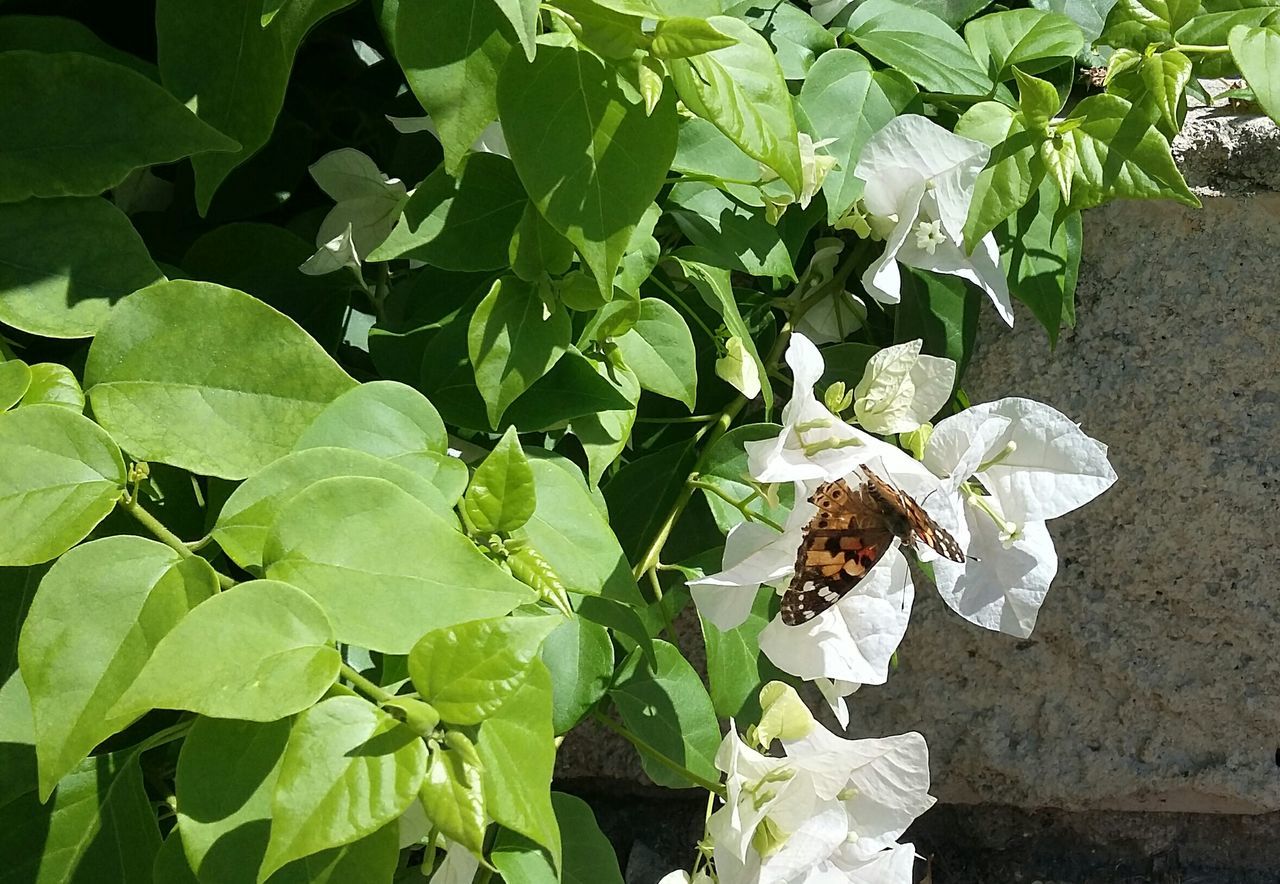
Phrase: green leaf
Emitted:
{"points": [[659, 349], [218, 58], [736, 669], [227, 775], [52, 33], [452, 52], [1119, 154], [668, 708], [60, 475], [714, 284], [643, 493], [844, 99], [65, 262], [1165, 76], [536, 248], [564, 116], [918, 44], [523, 15], [1135, 24], [96, 620], [383, 418], [579, 656], [247, 516], [468, 671], [943, 311], [1032, 39], [259, 651], [1038, 100], [75, 125], [1040, 252], [460, 224], [1006, 183], [1089, 15], [725, 467], [512, 341], [385, 568], [1214, 28], [604, 434], [798, 40], [728, 233], [453, 792], [953, 12], [685, 37], [588, 855], [15, 379], [1257, 52], [575, 537], [518, 859], [517, 755], [605, 32], [742, 91], [576, 387], [54, 384], [98, 826], [703, 151], [348, 770], [171, 862], [170, 400], [501, 496]]}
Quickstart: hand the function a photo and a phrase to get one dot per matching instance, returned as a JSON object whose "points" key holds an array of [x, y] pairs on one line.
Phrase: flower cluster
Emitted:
{"points": [[827, 810]]}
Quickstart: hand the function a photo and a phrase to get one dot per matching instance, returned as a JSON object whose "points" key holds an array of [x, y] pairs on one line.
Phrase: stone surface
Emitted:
{"points": [[1152, 681]]}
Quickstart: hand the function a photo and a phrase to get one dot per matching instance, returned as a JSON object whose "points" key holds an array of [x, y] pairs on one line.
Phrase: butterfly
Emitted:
{"points": [[852, 530]]}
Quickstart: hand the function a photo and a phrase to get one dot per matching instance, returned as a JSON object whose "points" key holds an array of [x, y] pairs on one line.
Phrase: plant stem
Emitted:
{"points": [[373, 691], [740, 505], [1203, 50], [645, 748], [163, 534], [168, 735]]}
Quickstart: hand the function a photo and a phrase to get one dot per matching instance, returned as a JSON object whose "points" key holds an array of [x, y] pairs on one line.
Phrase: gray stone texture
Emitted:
{"points": [[1152, 681]]}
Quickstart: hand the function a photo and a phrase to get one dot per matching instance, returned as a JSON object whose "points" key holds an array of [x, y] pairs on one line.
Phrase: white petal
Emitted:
{"points": [[834, 692], [854, 638], [738, 369], [821, 833], [982, 268], [348, 174], [459, 866], [333, 255], [1054, 467], [679, 876], [1003, 589], [805, 361], [901, 389], [892, 866], [754, 554], [833, 318], [882, 279], [411, 125]]}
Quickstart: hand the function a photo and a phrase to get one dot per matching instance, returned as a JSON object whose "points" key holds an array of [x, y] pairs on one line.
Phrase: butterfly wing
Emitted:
{"points": [[921, 524], [841, 543]]}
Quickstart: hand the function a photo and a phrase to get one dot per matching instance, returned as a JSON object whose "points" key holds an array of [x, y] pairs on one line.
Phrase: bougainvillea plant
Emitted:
{"points": [[381, 381]]}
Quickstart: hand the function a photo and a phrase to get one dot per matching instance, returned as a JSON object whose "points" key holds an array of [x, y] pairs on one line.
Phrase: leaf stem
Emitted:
{"points": [[1203, 50], [643, 747], [373, 691], [163, 534], [168, 735], [741, 506]]}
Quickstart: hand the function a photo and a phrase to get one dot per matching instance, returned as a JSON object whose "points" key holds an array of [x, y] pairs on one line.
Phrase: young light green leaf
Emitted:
{"points": [[512, 341], [99, 825], [1109, 165], [1041, 254], [1165, 76], [96, 620], [574, 536], [686, 37], [501, 496], [918, 44], [579, 656], [564, 114], [384, 418], [796, 36], [247, 516], [1257, 52], [460, 224], [1006, 183], [65, 262], [15, 379], [453, 792], [468, 671], [54, 384], [1038, 100], [348, 770], [60, 475], [452, 52], [669, 709], [517, 755], [659, 349], [523, 15], [259, 651], [75, 125], [740, 89], [844, 99], [385, 568], [194, 407], [1032, 39]]}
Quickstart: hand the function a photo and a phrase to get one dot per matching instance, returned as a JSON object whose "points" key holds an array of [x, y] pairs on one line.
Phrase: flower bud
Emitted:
{"points": [[838, 398]]}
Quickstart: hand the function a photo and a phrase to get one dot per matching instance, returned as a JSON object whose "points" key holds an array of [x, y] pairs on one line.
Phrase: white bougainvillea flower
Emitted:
{"points": [[459, 866], [680, 876], [919, 184], [367, 206], [834, 317], [1031, 463], [902, 388], [827, 803], [894, 865]]}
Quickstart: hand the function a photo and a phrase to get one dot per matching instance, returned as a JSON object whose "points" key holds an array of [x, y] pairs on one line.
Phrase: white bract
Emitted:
{"points": [[836, 316], [459, 866], [737, 368], [1031, 463], [902, 388], [919, 184], [367, 206], [828, 805]]}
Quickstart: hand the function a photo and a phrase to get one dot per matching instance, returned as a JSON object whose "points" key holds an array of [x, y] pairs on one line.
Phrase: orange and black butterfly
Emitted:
{"points": [[852, 530]]}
